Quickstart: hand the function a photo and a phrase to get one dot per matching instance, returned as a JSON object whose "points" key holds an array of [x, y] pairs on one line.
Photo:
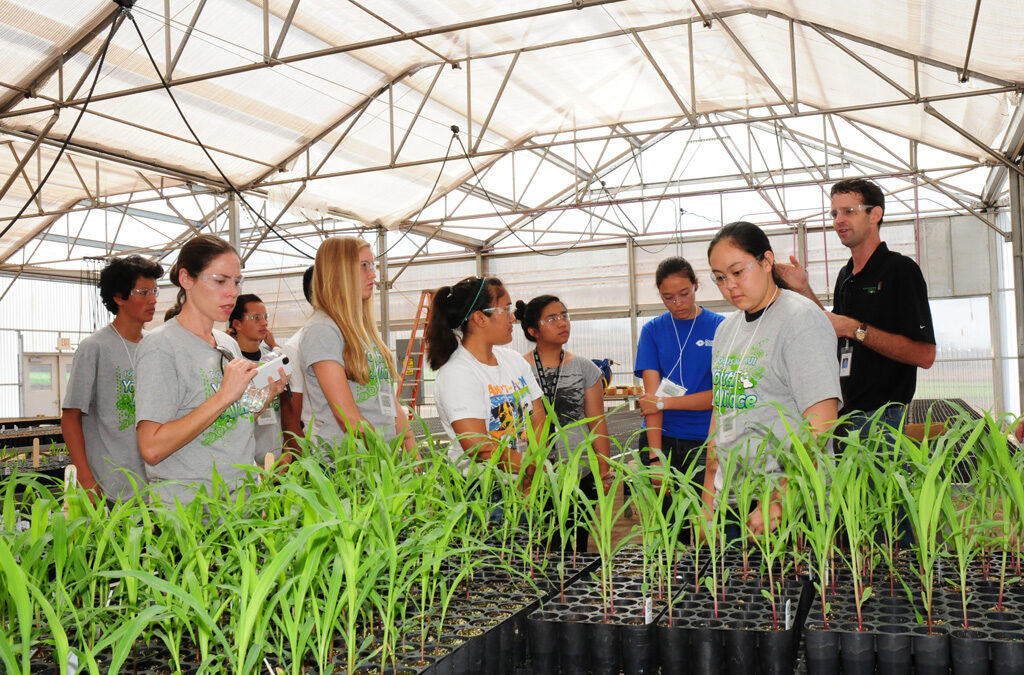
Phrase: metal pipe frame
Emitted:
{"points": [[535, 144]]}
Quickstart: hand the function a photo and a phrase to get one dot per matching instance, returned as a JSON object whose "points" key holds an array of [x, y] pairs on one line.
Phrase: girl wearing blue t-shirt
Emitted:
{"points": [[673, 358]]}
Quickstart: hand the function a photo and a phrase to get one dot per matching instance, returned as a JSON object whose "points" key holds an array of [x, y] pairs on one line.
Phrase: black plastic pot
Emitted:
{"points": [[492, 650], [674, 649], [892, 650], [543, 638], [931, 652], [573, 652], [857, 652], [638, 647], [1007, 653], [706, 651], [776, 649], [739, 647], [969, 652], [603, 639], [822, 651]]}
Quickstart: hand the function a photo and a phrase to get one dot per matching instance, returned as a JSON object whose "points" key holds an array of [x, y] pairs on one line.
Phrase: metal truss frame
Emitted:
{"points": [[555, 148]]}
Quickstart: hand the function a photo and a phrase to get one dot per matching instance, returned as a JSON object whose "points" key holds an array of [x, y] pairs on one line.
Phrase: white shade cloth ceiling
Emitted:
{"points": [[620, 63]]}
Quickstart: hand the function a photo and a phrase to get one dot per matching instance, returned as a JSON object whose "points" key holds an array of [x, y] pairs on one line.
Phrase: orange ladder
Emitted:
{"points": [[412, 364]]}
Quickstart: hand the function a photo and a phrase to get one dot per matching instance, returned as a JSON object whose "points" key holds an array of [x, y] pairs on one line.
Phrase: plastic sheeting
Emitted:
{"points": [[601, 68]]}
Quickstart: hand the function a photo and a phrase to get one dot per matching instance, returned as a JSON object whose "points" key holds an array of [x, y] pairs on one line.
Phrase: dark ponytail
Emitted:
{"points": [[194, 257], [751, 239], [528, 314], [450, 311]]}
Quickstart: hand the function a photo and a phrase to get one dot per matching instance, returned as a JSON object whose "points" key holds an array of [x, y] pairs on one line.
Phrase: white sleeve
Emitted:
{"points": [[461, 393]]}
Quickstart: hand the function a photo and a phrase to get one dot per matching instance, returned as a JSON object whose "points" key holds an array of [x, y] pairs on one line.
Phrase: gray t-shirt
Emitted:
{"points": [[268, 424], [569, 384], [102, 386], [784, 358], [322, 341], [178, 371]]}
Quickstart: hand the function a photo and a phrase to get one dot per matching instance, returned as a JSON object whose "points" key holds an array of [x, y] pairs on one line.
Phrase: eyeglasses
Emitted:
{"points": [[256, 317], [507, 309], [554, 318], [850, 210], [679, 297], [366, 267], [735, 274], [219, 280], [145, 292]]}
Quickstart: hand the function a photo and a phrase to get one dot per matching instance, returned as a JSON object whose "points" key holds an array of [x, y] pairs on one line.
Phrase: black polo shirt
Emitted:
{"points": [[890, 294]]}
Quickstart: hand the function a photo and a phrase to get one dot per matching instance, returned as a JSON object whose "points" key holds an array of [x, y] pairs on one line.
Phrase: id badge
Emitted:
{"points": [[670, 388], [727, 427], [845, 361], [386, 400], [267, 418]]}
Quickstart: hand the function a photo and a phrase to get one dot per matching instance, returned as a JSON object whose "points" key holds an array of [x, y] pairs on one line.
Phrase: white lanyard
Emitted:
{"points": [[679, 361], [728, 351], [125, 343]]}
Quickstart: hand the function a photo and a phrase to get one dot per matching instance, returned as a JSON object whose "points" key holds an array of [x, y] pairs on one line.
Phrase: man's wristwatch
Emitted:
{"points": [[659, 403], [861, 333]]}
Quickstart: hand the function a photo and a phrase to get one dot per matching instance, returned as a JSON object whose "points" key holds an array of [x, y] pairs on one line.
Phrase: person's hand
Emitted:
{"points": [[756, 520], [277, 386], [794, 274], [648, 404], [844, 326], [237, 375], [607, 477], [270, 341], [92, 489], [1019, 431]]}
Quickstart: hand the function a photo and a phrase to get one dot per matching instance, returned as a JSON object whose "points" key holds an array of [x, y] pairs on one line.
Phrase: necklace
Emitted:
{"points": [[124, 343], [550, 395]]}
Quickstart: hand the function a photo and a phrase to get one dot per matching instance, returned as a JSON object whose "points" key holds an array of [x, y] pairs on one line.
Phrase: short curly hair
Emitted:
{"points": [[118, 278]]}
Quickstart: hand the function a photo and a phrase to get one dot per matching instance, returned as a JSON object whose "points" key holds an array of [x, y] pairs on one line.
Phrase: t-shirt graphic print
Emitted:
{"points": [[509, 410], [124, 383], [228, 419]]}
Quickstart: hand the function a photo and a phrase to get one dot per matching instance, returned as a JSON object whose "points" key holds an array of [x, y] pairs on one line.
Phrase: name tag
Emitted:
{"points": [[386, 400], [727, 428], [845, 361], [670, 388], [267, 418]]}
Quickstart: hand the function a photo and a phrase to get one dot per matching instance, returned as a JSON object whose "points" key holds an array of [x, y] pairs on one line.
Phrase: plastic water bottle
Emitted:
{"points": [[255, 396]]}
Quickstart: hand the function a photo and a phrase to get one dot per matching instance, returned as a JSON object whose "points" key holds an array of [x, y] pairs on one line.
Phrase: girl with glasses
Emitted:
{"points": [[572, 385], [350, 377], [190, 421], [774, 357], [485, 394], [248, 325], [673, 358]]}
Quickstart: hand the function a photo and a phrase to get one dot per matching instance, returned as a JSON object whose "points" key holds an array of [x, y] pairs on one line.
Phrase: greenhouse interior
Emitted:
{"points": [[530, 336]]}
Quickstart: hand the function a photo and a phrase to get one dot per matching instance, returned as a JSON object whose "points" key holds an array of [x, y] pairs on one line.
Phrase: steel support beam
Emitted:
{"points": [[28, 154], [184, 40], [576, 5], [384, 285], [1017, 242], [928, 108], [40, 76]]}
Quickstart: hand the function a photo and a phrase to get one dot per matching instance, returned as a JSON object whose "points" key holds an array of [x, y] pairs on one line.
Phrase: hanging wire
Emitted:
{"points": [[74, 127], [227, 181]]}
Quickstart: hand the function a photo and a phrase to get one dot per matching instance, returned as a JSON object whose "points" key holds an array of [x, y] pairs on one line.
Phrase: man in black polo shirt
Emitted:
{"points": [[881, 312]]}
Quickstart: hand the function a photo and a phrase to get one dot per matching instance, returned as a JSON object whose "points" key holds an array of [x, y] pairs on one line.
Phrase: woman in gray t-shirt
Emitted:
{"points": [[571, 384], [349, 370], [777, 352], [190, 378]]}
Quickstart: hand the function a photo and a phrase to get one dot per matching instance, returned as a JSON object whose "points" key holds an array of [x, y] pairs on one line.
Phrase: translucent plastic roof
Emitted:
{"points": [[346, 109]]}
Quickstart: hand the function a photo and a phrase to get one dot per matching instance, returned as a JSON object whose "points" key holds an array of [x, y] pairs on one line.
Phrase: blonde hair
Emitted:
{"points": [[338, 293]]}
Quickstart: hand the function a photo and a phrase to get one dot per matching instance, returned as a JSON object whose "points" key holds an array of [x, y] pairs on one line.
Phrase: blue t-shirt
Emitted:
{"points": [[658, 350]]}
